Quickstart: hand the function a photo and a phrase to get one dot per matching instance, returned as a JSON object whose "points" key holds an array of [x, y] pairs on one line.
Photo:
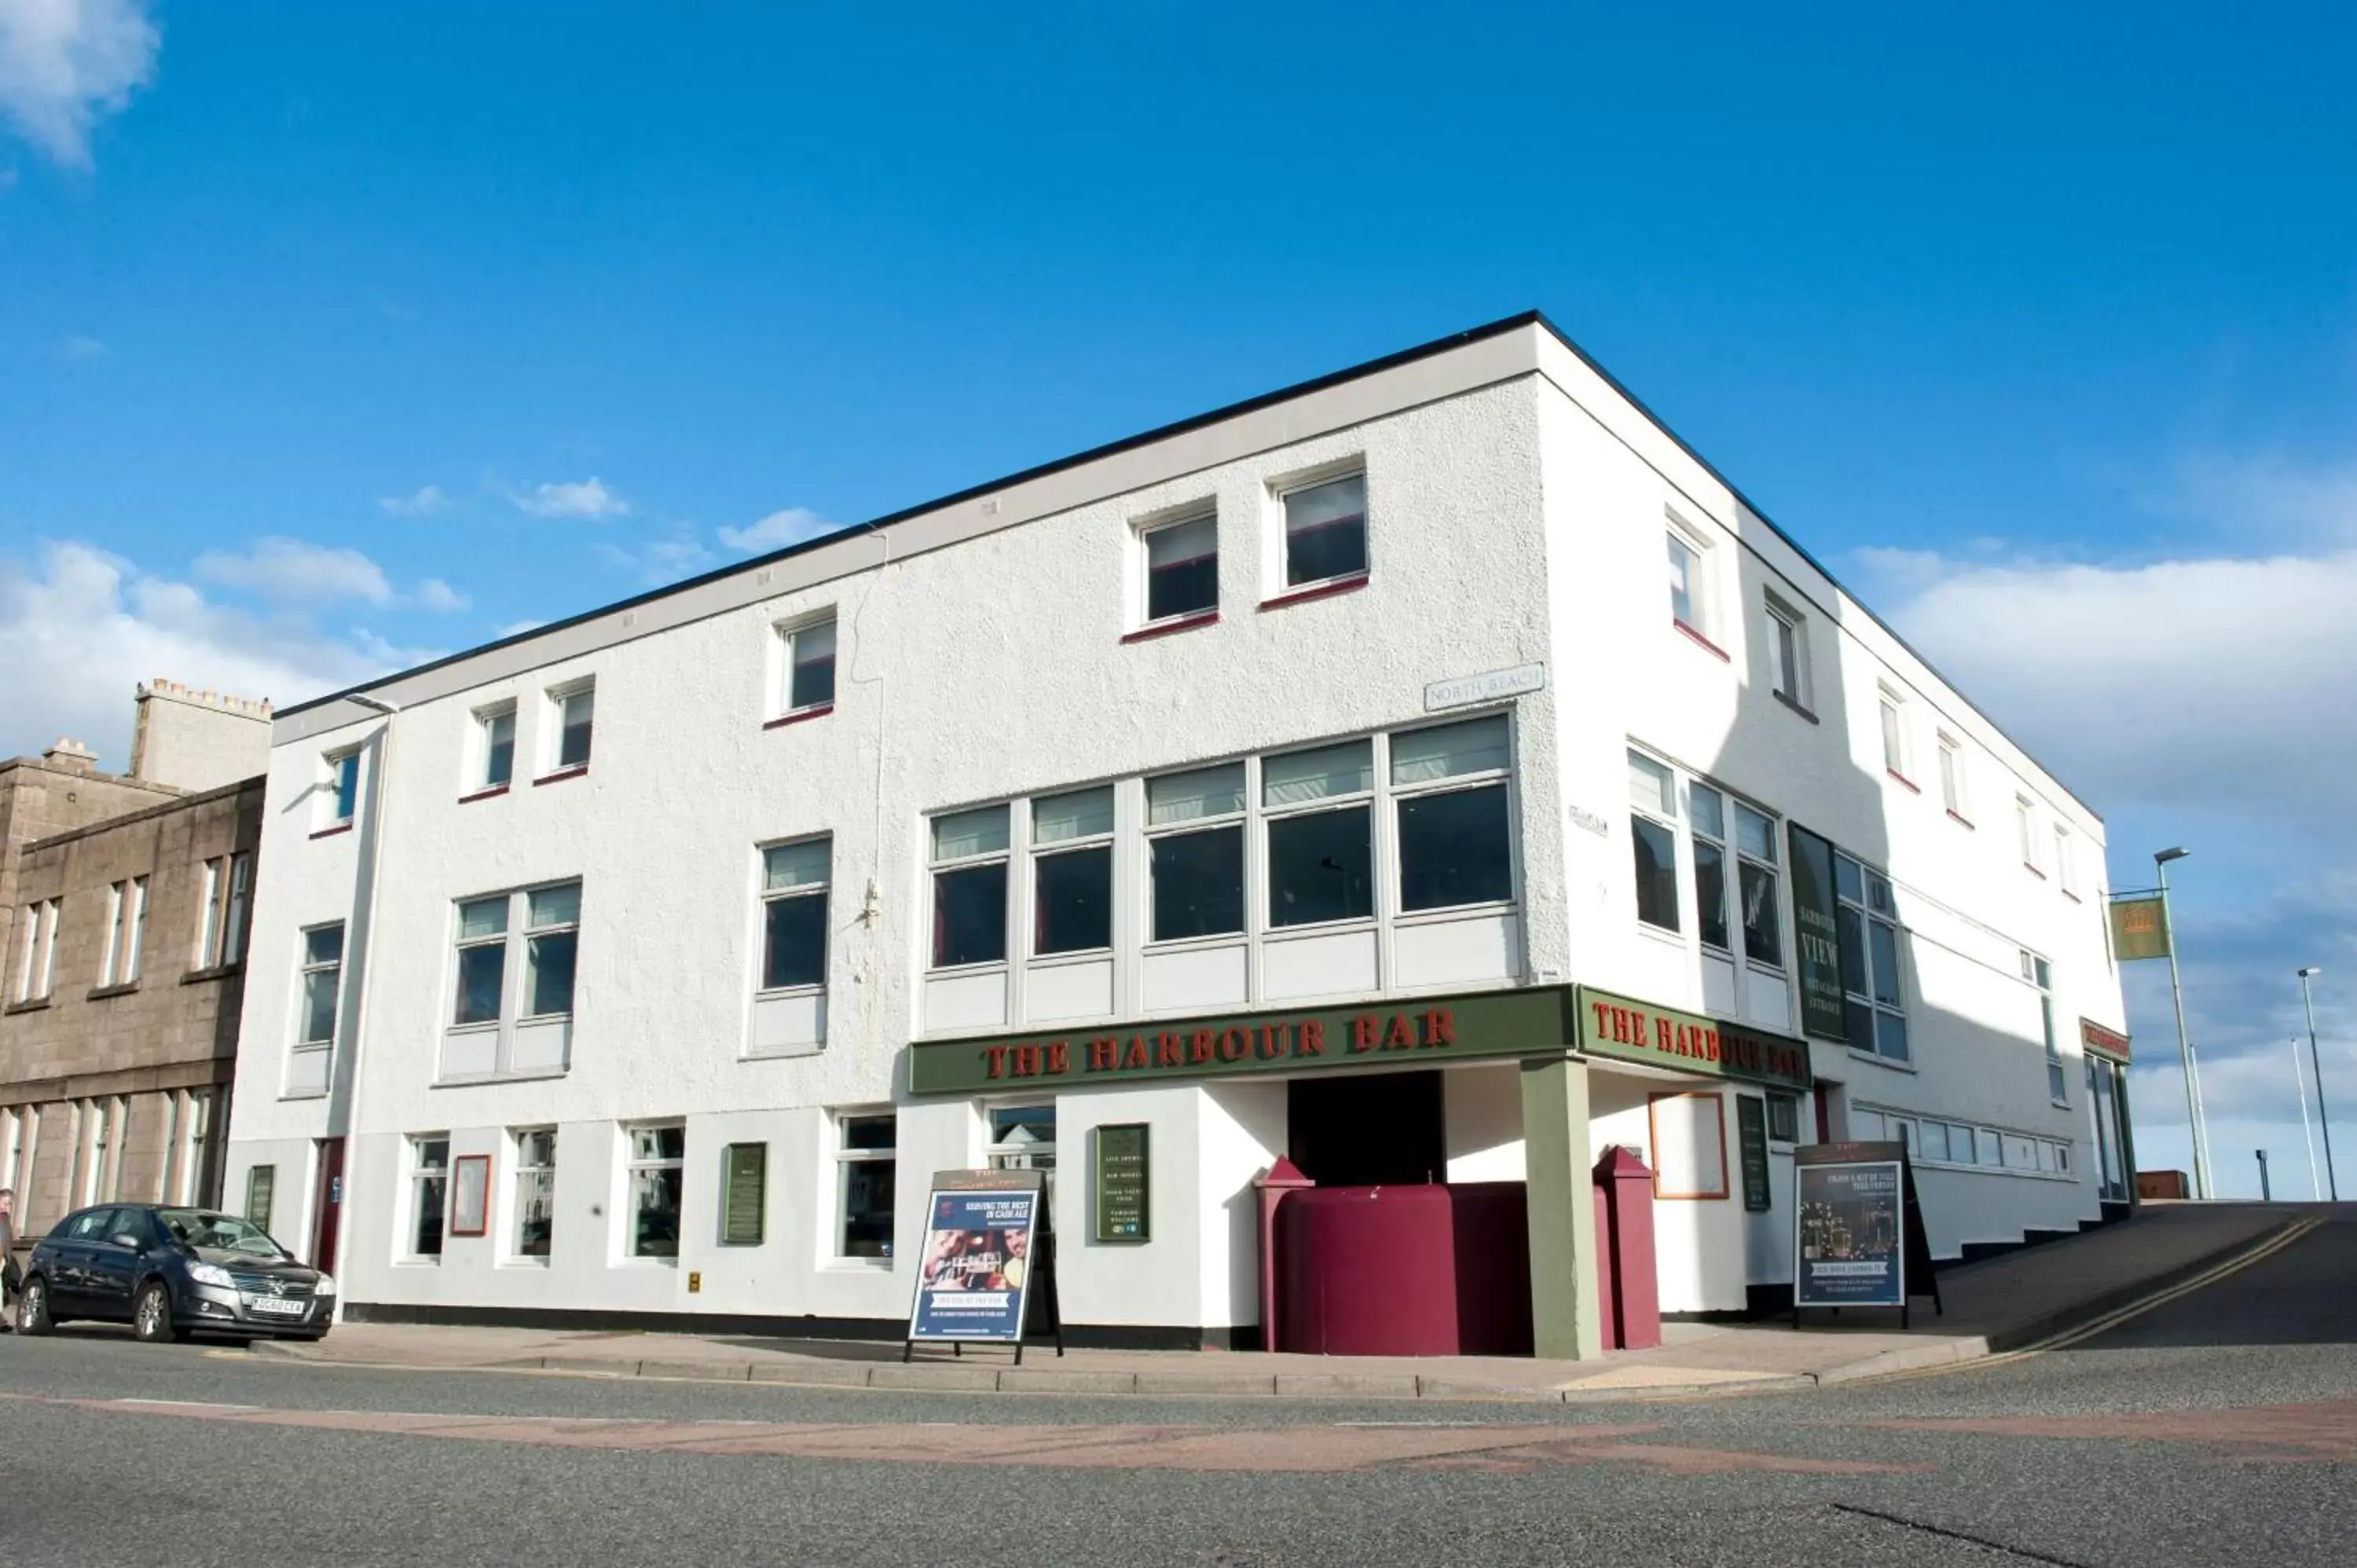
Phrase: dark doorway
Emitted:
{"points": [[1377, 1130], [328, 1204]]}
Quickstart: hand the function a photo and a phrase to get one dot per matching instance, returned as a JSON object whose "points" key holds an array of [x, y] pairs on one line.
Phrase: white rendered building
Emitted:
{"points": [[673, 947]]}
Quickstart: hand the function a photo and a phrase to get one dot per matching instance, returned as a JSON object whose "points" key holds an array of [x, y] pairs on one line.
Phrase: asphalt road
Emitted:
{"points": [[2220, 1428]]}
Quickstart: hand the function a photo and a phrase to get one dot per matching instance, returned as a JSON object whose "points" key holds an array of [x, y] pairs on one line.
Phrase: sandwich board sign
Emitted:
{"points": [[975, 1270], [1858, 1230]]}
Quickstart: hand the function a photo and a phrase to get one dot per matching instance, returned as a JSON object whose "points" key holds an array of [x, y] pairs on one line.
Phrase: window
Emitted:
{"points": [[323, 975], [37, 965], [1894, 732], [1755, 842], [1182, 568], [482, 959], [1869, 959], [1990, 1148], [575, 709], [1321, 852], [1326, 531], [1936, 1141], [658, 1156], [1783, 1119], [220, 929], [552, 940], [1653, 794], [808, 680], [1706, 809], [2039, 973], [495, 744], [196, 1176], [864, 1163], [1455, 840], [2025, 824], [552, 922], [126, 931], [1197, 865], [794, 914], [1023, 1137], [429, 1193], [2065, 874], [93, 1173], [1686, 581], [970, 887], [261, 1195], [1072, 872], [1788, 654], [1952, 775], [536, 1192], [344, 788]]}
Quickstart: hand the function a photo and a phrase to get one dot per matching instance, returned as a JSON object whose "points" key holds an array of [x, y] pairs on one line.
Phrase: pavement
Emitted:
{"points": [[1992, 1307], [2217, 1426]]}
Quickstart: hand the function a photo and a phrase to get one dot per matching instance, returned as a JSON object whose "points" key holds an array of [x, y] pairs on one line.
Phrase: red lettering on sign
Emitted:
{"points": [[1199, 1049], [1167, 1050], [1362, 1034], [1059, 1057], [1441, 1027], [1101, 1055], [1603, 1017], [1710, 1042], [997, 1058], [1234, 1044], [1310, 1039], [1396, 1036], [1135, 1058], [1662, 1034], [1026, 1062], [1270, 1041]]}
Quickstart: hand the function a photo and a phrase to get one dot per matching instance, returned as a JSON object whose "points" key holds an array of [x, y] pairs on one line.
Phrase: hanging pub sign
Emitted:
{"points": [[1816, 922], [1858, 1230], [2139, 927], [973, 1270]]}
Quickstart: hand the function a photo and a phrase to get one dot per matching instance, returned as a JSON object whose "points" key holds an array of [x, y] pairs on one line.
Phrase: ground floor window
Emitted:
{"points": [[866, 1169], [536, 1192], [429, 1193], [1023, 1137], [658, 1158]]}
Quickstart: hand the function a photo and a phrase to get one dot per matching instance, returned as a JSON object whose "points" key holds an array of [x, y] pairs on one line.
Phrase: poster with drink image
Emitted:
{"points": [[973, 1270]]}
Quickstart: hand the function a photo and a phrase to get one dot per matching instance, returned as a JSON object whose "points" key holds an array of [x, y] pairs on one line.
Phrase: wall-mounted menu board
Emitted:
{"points": [[1121, 1196]]}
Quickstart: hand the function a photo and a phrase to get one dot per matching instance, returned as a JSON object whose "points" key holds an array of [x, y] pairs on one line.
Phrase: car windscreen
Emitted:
{"points": [[219, 1233]]}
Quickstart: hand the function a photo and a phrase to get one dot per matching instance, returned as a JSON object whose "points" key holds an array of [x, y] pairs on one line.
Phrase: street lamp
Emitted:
{"points": [[2201, 1184], [2307, 1001]]}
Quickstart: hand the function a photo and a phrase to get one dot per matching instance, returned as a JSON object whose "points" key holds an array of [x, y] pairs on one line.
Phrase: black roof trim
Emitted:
{"points": [[1197, 421]]}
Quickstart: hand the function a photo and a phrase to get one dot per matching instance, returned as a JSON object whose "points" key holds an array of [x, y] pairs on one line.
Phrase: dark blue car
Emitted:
{"points": [[171, 1271]]}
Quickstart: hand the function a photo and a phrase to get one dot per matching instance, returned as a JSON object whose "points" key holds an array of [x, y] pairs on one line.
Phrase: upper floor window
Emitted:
{"points": [[969, 857], [126, 931], [1182, 567], [37, 964], [2065, 873], [1195, 853], [1685, 587], [1712, 817], [1321, 834], [1952, 775], [2025, 823], [323, 977], [794, 914], [550, 922], [575, 711], [344, 788], [1869, 960], [1072, 872], [1654, 802], [220, 922], [1894, 732], [1326, 531], [1448, 786], [495, 733], [2039, 973], [1787, 652], [807, 668]]}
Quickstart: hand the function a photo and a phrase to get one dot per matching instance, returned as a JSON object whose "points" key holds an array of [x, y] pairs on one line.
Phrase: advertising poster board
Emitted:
{"points": [[1816, 922], [973, 1272], [1858, 1230]]}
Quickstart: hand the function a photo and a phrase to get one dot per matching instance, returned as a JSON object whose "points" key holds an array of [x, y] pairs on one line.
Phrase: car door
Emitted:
{"points": [[112, 1264], [69, 1267]]}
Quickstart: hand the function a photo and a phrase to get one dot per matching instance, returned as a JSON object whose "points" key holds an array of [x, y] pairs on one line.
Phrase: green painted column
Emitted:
{"points": [[1566, 1318]]}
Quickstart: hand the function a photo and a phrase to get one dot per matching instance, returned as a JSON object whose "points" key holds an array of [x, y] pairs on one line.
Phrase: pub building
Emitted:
{"points": [[1414, 789]]}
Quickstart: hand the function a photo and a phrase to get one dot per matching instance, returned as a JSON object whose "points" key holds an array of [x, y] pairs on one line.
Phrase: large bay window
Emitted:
{"points": [[1072, 872], [1195, 853], [1320, 852], [969, 865]]}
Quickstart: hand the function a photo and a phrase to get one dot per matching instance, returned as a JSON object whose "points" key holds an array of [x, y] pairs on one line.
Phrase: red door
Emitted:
{"points": [[329, 1206]]}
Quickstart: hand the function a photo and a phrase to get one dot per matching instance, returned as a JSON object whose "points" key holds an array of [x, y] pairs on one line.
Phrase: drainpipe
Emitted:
{"points": [[382, 782]]}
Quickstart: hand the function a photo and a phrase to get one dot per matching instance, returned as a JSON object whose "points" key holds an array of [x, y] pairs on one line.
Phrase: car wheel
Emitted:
{"points": [[151, 1316], [33, 1307]]}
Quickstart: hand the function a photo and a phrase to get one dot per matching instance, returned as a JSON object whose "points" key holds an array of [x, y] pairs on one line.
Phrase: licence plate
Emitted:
{"points": [[276, 1306]]}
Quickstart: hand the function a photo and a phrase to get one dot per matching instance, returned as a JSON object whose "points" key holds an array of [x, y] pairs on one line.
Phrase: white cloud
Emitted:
{"points": [[434, 594], [424, 502], [586, 497], [780, 528], [81, 628], [659, 561], [79, 348], [64, 63], [294, 572]]}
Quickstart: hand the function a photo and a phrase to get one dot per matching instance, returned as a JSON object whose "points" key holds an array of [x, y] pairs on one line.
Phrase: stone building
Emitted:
{"points": [[124, 899]]}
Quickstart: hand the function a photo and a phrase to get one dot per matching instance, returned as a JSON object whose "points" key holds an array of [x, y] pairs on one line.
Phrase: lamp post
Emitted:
{"points": [[2307, 1001], [2201, 1184], [2299, 1082]]}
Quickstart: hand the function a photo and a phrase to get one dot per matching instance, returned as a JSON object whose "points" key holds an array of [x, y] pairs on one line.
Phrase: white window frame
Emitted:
{"points": [[483, 744], [1037, 1155], [1680, 875], [1283, 490], [2038, 974], [1785, 651], [1260, 905], [765, 896], [556, 701], [936, 867], [127, 932], [526, 1172], [2065, 869], [515, 973], [845, 1158], [783, 704], [1239, 820], [1395, 794], [1896, 759], [1730, 903], [2026, 821], [1143, 531], [1952, 795], [1037, 850], [1700, 617], [304, 968], [423, 1177], [1869, 917], [333, 813], [634, 1166], [37, 977]]}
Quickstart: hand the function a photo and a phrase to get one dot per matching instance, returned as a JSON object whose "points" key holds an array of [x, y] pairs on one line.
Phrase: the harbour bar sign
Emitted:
{"points": [[1427, 1031]]}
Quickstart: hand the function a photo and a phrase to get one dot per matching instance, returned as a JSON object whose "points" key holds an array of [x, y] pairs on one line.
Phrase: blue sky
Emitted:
{"points": [[333, 339]]}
